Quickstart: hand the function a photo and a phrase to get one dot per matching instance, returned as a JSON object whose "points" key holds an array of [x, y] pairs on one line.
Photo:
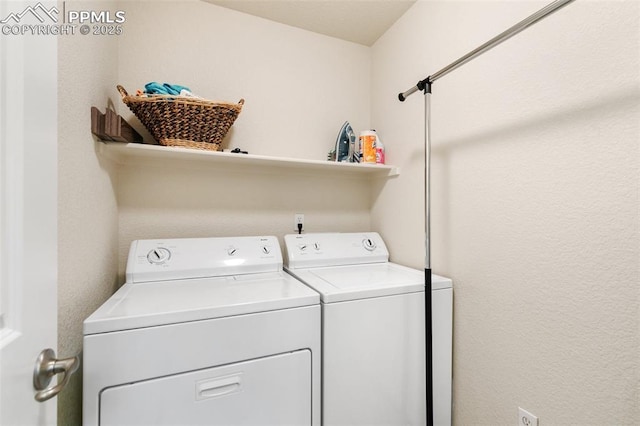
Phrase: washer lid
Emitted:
{"points": [[137, 305], [342, 283]]}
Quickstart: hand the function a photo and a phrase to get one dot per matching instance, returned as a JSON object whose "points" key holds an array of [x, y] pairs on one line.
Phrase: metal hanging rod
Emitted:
{"points": [[525, 23], [425, 86]]}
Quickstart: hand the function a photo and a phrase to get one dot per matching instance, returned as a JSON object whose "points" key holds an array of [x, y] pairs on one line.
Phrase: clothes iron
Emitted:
{"points": [[345, 144]]}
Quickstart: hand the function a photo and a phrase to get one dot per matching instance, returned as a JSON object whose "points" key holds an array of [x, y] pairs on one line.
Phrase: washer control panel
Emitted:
{"points": [[334, 249], [170, 259]]}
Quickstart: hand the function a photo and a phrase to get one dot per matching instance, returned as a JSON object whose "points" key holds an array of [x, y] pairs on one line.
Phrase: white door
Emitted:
{"points": [[28, 219]]}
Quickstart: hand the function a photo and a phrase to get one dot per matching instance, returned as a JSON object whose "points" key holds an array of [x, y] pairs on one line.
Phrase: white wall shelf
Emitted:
{"points": [[135, 154]]}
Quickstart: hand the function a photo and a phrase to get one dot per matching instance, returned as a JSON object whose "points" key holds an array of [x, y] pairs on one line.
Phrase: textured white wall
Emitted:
{"points": [[536, 168], [299, 88], [87, 210]]}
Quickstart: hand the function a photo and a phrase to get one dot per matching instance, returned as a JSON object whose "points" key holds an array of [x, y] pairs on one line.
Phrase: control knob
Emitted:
{"points": [[369, 244], [158, 255]]}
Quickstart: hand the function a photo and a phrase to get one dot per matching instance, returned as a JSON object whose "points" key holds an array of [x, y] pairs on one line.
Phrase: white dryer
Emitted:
{"points": [[205, 331], [373, 330]]}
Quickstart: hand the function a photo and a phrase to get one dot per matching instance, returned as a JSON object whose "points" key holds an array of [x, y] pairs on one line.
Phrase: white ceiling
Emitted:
{"points": [[359, 21]]}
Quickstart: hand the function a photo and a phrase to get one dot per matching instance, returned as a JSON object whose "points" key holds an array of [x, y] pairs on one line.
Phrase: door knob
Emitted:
{"points": [[48, 366]]}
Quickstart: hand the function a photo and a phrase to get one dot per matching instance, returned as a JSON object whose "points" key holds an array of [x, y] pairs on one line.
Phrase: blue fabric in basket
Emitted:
{"points": [[154, 88]]}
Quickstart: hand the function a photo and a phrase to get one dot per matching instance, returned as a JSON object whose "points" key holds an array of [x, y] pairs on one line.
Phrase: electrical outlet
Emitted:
{"points": [[525, 418], [298, 219]]}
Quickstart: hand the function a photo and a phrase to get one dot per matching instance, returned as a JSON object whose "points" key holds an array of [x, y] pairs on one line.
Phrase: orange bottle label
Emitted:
{"points": [[368, 148]]}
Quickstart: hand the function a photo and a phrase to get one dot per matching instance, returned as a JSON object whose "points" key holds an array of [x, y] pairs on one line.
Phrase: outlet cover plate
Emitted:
{"points": [[525, 418]]}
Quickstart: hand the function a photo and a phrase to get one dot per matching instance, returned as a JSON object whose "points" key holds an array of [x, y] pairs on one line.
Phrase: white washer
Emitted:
{"points": [[205, 331], [373, 330]]}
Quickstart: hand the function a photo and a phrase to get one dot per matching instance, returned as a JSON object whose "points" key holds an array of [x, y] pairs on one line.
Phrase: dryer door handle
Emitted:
{"points": [[218, 386]]}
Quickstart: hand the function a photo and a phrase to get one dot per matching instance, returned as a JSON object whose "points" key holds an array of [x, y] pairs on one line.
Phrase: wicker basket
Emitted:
{"points": [[182, 121]]}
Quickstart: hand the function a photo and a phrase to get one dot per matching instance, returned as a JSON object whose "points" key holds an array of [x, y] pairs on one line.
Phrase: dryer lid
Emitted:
{"points": [[138, 305]]}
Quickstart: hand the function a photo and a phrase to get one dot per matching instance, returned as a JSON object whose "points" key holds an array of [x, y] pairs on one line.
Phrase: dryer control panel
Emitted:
{"points": [[334, 249], [183, 258]]}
